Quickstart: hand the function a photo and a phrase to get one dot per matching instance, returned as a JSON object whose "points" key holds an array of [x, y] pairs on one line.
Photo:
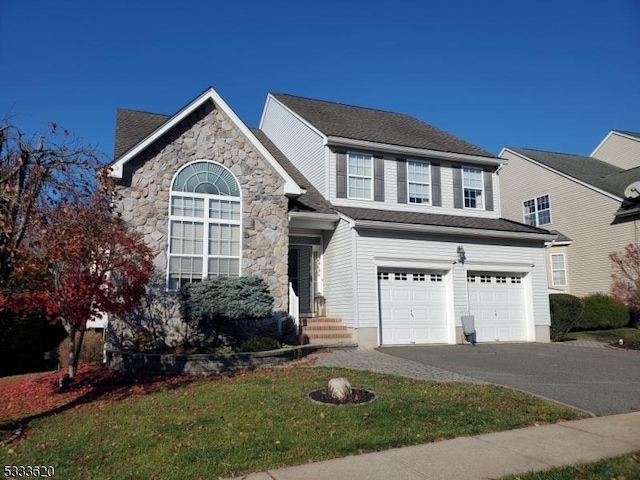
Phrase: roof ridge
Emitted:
{"points": [[349, 105], [121, 109], [552, 151]]}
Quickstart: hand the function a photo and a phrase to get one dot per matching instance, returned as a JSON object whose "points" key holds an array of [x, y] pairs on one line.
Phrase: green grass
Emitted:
{"points": [[261, 420], [625, 467], [631, 334]]}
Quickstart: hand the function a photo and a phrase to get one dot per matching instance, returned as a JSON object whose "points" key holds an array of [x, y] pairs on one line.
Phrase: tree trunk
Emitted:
{"points": [[73, 364]]}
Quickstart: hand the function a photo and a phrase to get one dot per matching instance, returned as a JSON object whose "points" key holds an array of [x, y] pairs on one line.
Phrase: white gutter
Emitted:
{"points": [[423, 152], [321, 217], [409, 227]]}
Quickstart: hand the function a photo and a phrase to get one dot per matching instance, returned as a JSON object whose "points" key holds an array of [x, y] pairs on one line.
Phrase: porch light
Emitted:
{"points": [[461, 254]]}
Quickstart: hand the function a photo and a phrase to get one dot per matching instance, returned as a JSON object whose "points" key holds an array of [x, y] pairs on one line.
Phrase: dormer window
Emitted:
{"points": [[472, 187], [360, 176]]}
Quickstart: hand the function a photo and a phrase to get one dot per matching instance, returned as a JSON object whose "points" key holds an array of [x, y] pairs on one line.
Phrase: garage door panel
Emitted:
{"points": [[413, 308], [497, 303]]}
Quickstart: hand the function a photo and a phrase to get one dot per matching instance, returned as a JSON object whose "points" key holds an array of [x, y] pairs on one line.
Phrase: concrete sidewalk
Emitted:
{"points": [[483, 456]]}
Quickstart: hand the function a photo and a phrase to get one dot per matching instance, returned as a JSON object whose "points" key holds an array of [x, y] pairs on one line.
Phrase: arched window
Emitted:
{"points": [[204, 224]]}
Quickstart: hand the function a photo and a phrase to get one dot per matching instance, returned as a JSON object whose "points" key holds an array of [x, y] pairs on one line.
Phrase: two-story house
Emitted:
{"points": [[583, 199], [373, 218]]}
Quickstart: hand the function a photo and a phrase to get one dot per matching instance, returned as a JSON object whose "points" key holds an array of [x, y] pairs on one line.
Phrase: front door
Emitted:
{"points": [[300, 275]]}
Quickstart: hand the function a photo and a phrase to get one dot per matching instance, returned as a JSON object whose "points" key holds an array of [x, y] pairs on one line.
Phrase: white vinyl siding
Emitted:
{"points": [[338, 273], [302, 145], [391, 192], [375, 248], [558, 270], [418, 182]]}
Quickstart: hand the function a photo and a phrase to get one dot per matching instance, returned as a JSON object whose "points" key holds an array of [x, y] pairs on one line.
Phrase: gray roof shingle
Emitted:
{"points": [[590, 170], [359, 123], [132, 126], [417, 218]]}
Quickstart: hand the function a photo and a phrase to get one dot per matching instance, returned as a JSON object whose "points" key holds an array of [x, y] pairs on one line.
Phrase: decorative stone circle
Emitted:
{"points": [[359, 396]]}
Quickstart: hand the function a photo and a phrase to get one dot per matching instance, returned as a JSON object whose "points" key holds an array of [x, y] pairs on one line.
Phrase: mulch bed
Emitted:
{"points": [[628, 344]]}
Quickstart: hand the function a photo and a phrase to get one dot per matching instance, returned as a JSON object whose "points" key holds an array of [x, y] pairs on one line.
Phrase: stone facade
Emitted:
{"points": [[208, 134]]}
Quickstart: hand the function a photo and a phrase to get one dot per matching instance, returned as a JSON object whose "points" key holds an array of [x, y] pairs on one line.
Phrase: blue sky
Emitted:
{"points": [[547, 74]]}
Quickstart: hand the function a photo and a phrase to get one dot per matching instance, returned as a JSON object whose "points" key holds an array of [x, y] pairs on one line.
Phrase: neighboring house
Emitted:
{"points": [[583, 199], [384, 224]]}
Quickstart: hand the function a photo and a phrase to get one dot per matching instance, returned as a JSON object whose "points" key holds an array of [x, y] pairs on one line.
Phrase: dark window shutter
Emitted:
{"points": [[341, 175], [402, 180], [457, 187], [436, 187], [488, 190], [378, 179]]}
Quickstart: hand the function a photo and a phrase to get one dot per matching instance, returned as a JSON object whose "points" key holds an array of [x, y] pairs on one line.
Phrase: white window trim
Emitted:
{"points": [[536, 212], [482, 195], [349, 176], [564, 264], [205, 220], [409, 182]]}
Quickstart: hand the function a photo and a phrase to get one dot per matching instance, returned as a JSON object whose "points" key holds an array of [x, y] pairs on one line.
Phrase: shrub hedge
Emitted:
{"points": [[566, 311], [600, 311]]}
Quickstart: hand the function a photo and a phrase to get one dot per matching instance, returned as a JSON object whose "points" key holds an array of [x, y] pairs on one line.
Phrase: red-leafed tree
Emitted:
{"points": [[36, 172], [62, 250], [625, 286], [93, 264]]}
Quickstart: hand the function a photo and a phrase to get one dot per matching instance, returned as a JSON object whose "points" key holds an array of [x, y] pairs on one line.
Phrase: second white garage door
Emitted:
{"points": [[412, 307], [497, 303]]}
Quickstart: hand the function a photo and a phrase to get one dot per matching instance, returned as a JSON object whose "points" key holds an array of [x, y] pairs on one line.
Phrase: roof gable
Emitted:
{"points": [[162, 127], [132, 126], [360, 123], [588, 170]]}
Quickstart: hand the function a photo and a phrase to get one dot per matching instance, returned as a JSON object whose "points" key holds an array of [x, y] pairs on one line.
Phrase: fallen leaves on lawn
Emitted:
{"points": [[27, 396]]}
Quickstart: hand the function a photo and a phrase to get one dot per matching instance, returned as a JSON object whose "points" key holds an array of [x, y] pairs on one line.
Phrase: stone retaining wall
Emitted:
{"points": [[200, 364]]}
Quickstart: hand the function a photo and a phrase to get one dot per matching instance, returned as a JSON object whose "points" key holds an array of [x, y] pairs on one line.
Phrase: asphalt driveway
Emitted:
{"points": [[600, 380]]}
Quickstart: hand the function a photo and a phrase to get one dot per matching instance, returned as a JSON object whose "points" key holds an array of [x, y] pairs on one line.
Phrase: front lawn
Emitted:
{"points": [[205, 428]]}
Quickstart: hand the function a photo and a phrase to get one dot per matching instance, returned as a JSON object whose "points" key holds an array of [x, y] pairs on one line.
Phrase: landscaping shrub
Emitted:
{"points": [[259, 344], [92, 349], [566, 311], [601, 311], [220, 308]]}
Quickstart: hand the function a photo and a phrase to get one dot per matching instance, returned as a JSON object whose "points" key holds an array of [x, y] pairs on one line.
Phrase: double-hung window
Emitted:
{"points": [[360, 176], [419, 180], [204, 224], [472, 187], [537, 211], [558, 270]]}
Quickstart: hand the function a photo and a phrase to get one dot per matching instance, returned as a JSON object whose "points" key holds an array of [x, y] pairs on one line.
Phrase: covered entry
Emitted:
{"points": [[412, 306], [305, 270]]}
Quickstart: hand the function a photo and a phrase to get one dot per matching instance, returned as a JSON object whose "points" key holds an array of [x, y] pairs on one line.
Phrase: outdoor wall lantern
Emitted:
{"points": [[461, 254]]}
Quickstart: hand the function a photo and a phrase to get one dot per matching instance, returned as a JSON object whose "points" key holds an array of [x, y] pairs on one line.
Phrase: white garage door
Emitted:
{"points": [[412, 307], [497, 303]]}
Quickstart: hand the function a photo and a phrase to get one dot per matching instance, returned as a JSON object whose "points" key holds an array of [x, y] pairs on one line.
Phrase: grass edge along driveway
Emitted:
{"points": [[227, 426]]}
